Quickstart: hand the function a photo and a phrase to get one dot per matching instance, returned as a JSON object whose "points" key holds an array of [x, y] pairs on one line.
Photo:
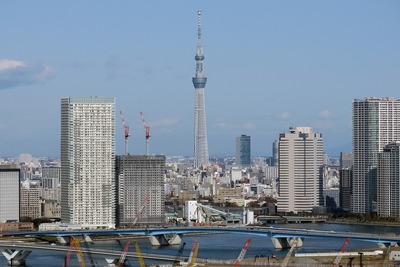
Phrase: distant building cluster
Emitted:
{"points": [[90, 186]]}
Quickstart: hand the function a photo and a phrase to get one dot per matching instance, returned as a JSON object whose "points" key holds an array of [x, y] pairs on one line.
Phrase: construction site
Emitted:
{"points": [[131, 255]]}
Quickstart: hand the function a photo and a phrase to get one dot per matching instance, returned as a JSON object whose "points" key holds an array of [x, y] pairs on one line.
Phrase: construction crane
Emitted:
{"points": [[386, 257], [123, 254], [88, 251], [193, 253], [147, 132], [140, 212], [140, 257], [74, 242], [287, 257], [336, 262], [178, 255], [242, 253], [126, 132]]}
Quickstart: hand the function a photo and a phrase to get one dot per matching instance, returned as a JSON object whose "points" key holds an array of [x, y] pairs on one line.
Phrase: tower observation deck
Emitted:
{"points": [[200, 129]]}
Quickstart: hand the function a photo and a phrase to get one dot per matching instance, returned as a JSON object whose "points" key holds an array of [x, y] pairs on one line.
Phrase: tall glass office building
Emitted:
{"points": [[88, 161], [243, 150]]}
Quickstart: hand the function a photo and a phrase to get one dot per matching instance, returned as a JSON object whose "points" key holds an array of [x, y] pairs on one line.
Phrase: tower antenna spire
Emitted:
{"points": [[199, 82], [199, 28]]}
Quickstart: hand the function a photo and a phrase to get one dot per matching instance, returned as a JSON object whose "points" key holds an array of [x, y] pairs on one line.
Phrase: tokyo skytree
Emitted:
{"points": [[200, 129]]}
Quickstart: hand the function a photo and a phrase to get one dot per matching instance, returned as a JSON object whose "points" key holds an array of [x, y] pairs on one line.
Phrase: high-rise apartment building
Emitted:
{"points": [[388, 202], [88, 161], [200, 128], [140, 183], [243, 150], [9, 193], [376, 122], [301, 160]]}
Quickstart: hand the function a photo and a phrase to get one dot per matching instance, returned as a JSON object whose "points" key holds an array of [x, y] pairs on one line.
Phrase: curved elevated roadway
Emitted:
{"points": [[255, 231]]}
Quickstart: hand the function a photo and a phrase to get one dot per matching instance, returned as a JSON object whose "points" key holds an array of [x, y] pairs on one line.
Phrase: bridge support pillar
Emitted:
{"points": [[165, 240], [286, 242], [88, 239], [64, 240], [16, 257], [387, 244]]}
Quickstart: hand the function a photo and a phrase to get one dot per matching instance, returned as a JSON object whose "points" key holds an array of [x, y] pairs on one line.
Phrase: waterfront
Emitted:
{"points": [[225, 246]]}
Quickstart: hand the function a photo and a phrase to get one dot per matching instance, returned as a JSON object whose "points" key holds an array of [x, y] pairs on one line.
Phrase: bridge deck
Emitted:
{"points": [[255, 231]]}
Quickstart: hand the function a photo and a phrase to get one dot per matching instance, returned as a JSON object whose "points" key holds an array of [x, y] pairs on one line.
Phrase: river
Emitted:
{"points": [[223, 246]]}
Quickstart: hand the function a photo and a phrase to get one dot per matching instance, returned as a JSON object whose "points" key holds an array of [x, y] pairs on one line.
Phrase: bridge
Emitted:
{"points": [[10, 248], [280, 237]]}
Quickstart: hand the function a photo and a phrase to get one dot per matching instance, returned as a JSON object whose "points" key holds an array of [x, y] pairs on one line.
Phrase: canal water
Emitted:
{"points": [[221, 246]]}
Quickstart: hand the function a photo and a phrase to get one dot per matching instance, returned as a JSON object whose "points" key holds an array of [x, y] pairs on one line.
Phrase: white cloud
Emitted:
{"points": [[235, 126], [249, 125], [284, 116], [324, 124], [165, 122], [8, 64], [14, 73], [223, 125], [325, 114]]}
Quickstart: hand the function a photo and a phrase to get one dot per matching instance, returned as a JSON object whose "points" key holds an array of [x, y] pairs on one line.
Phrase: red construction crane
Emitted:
{"points": [[127, 134], [147, 131], [123, 255], [242, 253], [140, 212], [74, 243], [336, 262]]}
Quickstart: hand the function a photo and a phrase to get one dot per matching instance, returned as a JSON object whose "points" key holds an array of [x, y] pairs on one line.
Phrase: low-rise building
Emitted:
{"points": [[16, 226]]}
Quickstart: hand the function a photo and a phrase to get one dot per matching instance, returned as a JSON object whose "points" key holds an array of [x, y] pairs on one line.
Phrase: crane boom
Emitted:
{"points": [[88, 251], [194, 256], [140, 212], [287, 257], [66, 260], [147, 133], [192, 250], [74, 242], [140, 257], [340, 254], [123, 254], [126, 132], [242, 253], [178, 255]]}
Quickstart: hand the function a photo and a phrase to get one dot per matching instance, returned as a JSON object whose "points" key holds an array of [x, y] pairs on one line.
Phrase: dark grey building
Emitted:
{"points": [[243, 150], [140, 190], [388, 203], [346, 179]]}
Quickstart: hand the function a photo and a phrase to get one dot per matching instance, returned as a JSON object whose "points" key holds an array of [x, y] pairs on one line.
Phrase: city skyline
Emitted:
{"points": [[269, 66]]}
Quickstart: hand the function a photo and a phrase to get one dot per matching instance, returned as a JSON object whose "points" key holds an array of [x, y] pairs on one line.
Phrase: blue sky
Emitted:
{"points": [[270, 65]]}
